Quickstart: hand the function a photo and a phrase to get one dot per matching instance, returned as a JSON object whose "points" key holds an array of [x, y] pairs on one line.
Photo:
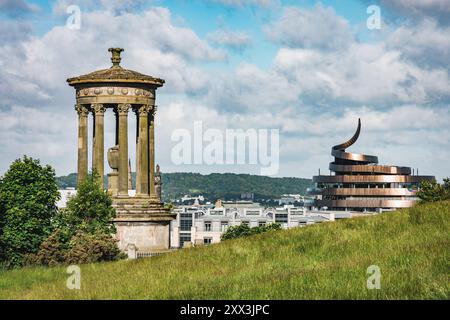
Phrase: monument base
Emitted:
{"points": [[142, 223]]}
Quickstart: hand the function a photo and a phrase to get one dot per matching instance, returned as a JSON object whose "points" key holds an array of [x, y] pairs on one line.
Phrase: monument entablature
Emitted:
{"points": [[114, 94]]}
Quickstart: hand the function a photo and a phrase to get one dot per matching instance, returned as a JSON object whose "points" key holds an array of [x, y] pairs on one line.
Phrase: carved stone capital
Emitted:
{"points": [[153, 112], [122, 108], [98, 108], [81, 110], [144, 110]]}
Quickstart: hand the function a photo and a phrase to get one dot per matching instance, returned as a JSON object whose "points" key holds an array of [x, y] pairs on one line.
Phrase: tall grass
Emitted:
{"points": [[324, 261]]}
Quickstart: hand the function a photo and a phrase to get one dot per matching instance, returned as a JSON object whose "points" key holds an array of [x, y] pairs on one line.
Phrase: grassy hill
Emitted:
{"points": [[324, 261], [213, 186]]}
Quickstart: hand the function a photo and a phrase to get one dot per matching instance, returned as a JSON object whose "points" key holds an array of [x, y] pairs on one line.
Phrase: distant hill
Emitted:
{"points": [[227, 186]]}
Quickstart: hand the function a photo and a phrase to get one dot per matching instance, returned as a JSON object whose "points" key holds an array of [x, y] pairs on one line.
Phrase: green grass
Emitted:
{"points": [[324, 261]]}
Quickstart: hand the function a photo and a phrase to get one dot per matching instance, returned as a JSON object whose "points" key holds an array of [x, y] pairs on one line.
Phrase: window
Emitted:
{"points": [[261, 223], [207, 225], [224, 226], [281, 218], [245, 222], [185, 222], [207, 241], [184, 238]]}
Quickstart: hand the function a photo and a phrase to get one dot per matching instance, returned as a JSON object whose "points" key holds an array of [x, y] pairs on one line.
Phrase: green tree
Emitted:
{"points": [[83, 231], [90, 210], [243, 230], [28, 195], [431, 191]]}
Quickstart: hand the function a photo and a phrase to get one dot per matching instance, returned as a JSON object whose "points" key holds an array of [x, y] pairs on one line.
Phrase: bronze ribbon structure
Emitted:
{"points": [[359, 183]]}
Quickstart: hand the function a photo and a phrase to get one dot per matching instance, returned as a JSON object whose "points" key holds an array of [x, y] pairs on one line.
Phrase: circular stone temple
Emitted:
{"points": [[360, 184], [142, 220]]}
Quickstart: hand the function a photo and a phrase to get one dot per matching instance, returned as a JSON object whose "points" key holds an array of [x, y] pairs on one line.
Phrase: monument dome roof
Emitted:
{"points": [[115, 74]]}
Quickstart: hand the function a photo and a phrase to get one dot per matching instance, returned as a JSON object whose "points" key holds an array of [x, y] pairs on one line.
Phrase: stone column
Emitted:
{"points": [[142, 163], [98, 145], [82, 141], [122, 110], [138, 155], [151, 136]]}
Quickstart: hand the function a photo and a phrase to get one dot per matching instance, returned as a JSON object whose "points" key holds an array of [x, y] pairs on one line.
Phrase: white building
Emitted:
{"points": [[203, 225], [190, 198], [70, 192], [65, 195]]}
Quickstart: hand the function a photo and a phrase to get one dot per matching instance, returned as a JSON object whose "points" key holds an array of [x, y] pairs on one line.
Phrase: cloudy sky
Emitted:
{"points": [[308, 69]]}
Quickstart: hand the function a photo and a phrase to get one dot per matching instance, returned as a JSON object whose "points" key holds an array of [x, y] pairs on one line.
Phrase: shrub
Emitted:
{"points": [[83, 230], [82, 233], [88, 248], [51, 252], [82, 248], [244, 230]]}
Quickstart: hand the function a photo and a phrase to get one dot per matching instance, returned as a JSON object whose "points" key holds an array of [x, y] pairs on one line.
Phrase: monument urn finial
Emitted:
{"points": [[113, 157], [115, 57]]}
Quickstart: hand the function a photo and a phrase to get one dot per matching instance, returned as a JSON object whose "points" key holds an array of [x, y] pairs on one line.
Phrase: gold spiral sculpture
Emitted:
{"points": [[359, 183]]}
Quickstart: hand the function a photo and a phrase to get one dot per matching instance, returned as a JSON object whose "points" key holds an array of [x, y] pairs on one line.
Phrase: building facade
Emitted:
{"points": [[360, 184], [204, 225]]}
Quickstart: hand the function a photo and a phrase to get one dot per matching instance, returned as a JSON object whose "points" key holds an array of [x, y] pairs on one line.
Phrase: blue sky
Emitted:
{"points": [[307, 68]]}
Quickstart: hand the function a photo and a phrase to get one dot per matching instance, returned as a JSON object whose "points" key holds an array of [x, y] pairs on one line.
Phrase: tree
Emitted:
{"points": [[28, 195], [431, 191], [90, 210], [83, 231], [243, 230]]}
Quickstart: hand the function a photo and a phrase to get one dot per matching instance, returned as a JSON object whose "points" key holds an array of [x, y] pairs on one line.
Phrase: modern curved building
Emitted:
{"points": [[359, 183]]}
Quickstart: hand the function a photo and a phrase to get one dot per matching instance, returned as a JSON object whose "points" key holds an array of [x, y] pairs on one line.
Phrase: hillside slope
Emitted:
{"points": [[325, 261]]}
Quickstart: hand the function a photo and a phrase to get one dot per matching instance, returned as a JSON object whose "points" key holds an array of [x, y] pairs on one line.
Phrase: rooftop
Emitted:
{"points": [[115, 74]]}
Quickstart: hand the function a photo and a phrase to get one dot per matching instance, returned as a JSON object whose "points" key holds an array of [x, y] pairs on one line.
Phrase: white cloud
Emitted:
{"points": [[241, 3], [40, 133], [419, 9], [153, 45], [320, 81], [34, 72], [426, 43], [235, 40], [113, 6], [251, 89], [365, 73], [319, 28], [407, 135], [15, 8]]}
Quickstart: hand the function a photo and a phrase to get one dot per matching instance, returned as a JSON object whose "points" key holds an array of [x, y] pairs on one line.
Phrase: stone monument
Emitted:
{"points": [[142, 221], [158, 183]]}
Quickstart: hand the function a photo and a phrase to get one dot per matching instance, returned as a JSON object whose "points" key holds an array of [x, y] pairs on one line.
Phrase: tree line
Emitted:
{"points": [[225, 186]]}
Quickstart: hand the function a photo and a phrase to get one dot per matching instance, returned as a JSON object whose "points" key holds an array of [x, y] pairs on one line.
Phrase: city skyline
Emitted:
{"points": [[236, 64]]}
